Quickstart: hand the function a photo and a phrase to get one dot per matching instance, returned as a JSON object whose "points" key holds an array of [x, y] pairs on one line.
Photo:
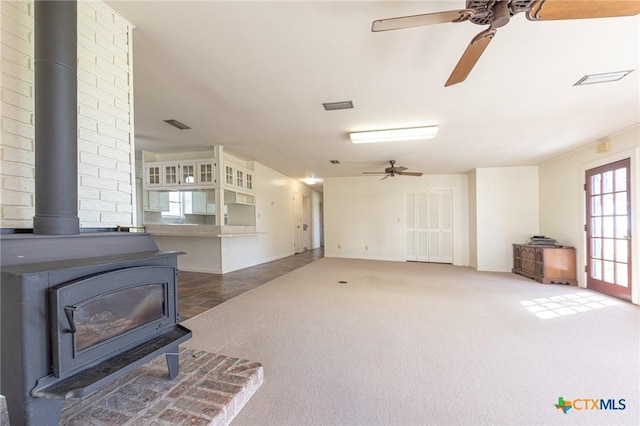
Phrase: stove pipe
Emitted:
{"points": [[56, 118]]}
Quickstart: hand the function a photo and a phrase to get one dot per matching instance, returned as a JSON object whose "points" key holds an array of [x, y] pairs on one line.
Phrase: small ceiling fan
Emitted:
{"points": [[393, 170], [497, 13]]}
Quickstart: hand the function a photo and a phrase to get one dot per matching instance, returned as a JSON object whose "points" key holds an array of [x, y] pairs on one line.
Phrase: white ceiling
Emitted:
{"points": [[252, 76]]}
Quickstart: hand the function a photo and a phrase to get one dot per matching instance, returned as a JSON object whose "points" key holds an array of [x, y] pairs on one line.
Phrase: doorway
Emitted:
{"points": [[428, 226], [608, 228]]}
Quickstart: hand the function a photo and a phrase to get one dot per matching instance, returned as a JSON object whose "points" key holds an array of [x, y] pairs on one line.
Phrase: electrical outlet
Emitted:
{"points": [[366, 247], [339, 246]]}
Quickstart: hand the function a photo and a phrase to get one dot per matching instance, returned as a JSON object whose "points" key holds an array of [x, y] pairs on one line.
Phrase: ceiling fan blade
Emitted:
{"points": [[470, 56], [385, 177], [420, 20], [400, 169], [374, 173], [547, 10], [410, 173]]}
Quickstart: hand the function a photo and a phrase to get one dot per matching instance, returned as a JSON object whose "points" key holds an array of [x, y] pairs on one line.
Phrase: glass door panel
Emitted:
{"points": [[608, 229]]}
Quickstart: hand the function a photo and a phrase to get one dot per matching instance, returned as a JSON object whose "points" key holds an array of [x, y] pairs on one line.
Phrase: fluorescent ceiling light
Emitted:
{"points": [[395, 135], [602, 78]]}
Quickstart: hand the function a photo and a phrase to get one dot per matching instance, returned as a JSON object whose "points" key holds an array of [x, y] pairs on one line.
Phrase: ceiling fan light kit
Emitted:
{"points": [[394, 170], [497, 13], [395, 135]]}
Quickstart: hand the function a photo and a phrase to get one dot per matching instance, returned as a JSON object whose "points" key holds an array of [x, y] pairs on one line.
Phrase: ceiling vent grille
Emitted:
{"points": [[332, 106], [177, 124]]}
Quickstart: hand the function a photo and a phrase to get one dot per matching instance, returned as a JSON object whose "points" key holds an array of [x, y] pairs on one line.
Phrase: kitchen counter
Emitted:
{"points": [[192, 230]]}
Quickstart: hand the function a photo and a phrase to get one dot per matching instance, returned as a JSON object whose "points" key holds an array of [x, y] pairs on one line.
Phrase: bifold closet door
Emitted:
{"points": [[416, 230], [428, 226]]}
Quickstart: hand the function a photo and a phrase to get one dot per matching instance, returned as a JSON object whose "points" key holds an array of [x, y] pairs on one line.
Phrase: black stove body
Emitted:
{"points": [[79, 311]]}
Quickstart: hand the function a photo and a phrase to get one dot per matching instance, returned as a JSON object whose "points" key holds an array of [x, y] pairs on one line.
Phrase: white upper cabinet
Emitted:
{"points": [[190, 174], [238, 178], [187, 173], [229, 175], [248, 181], [152, 175], [170, 174], [206, 173]]}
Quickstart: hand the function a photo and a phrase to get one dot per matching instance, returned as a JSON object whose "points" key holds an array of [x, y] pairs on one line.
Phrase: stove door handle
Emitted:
{"points": [[68, 311]]}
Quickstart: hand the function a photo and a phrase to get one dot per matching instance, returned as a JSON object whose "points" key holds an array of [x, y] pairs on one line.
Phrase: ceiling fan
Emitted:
{"points": [[393, 170], [497, 13]]}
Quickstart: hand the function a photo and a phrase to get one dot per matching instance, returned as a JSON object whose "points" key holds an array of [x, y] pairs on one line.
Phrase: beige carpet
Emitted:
{"points": [[414, 344]]}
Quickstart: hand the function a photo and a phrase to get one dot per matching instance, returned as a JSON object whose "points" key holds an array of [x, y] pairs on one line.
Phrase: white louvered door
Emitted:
{"points": [[428, 226]]}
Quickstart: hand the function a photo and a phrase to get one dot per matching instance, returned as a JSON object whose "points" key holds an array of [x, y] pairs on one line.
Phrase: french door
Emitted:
{"points": [[428, 226], [609, 229]]}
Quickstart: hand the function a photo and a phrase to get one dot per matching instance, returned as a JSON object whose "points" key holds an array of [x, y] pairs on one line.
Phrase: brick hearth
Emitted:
{"points": [[210, 390]]}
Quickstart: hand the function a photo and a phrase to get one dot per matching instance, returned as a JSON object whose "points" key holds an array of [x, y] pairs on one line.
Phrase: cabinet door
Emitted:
{"points": [[163, 201], [199, 202], [187, 174], [145, 201], [158, 201], [240, 178], [229, 175], [248, 181], [170, 174], [206, 173], [152, 175]]}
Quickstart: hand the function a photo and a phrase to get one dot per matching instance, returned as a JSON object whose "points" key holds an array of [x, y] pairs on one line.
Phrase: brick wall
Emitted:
{"points": [[16, 123], [105, 149]]}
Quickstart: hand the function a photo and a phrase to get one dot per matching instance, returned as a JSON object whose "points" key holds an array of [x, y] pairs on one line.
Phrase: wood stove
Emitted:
{"points": [[77, 310], [78, 317]]}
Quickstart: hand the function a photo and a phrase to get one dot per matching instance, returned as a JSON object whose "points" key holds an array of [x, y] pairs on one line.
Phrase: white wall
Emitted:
{"points": [[506, 200], [363, 216], [105, 119], [473, 221], [562, 199], [201, 254], [275, 222]]}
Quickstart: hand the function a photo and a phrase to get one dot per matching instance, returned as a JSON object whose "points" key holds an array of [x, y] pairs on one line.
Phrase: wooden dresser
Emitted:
{"points": [[545, 264]]}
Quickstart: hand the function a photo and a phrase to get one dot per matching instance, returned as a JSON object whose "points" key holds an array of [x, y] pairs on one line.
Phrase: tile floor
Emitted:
{"points": [[198, 292]]}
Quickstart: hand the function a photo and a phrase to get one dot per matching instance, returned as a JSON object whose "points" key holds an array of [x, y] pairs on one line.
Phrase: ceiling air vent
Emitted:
{"points": [[334, 161], [332, 106], [177, 124]]}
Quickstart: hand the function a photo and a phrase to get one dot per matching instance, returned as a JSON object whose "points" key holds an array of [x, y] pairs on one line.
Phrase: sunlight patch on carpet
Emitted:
{"points": [[568, 304]]}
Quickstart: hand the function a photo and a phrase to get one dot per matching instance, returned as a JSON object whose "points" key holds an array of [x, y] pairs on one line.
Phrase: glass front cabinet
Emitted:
{"points": [[152, 176], [206, 173], [187, 174], [170, 174]]}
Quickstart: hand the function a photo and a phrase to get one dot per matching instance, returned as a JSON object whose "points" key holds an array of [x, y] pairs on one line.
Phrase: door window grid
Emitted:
{"points": [[609, 226]]}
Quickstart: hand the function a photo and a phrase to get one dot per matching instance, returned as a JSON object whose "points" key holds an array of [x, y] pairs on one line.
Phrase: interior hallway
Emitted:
{"points": [[198, 292]]}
